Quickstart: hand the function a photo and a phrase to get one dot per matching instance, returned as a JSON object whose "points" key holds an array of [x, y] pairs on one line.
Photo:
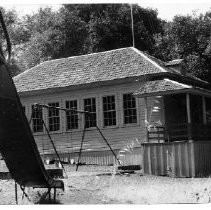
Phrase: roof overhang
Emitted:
{"points": [[98, 84], [168, 87]]}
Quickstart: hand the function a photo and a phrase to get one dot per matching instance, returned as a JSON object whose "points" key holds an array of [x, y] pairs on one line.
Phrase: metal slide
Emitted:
{"points": [[17, 144]]}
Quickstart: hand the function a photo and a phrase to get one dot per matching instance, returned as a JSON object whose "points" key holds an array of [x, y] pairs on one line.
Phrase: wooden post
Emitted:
{"points": [[204, 118], [149, 159], [146, 118], [204, 110], [188, 116]]}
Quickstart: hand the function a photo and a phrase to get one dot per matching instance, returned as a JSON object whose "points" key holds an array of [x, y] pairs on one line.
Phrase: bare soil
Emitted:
{"points": [[99, 185]]}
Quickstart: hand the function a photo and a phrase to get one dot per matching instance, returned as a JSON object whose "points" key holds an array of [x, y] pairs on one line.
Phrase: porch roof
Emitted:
{"points": [[168, 87]]}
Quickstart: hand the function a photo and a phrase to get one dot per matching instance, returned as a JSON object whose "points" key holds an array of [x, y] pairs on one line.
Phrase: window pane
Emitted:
{"points": [[71, 116], [53, 117], [90, 106], [109, 110], [37, 119], [24, 109], [129, 109]]}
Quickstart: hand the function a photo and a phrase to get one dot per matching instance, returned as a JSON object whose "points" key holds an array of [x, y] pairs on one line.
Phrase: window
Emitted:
{"points": [[37, 123], [129, 108], [53, 117], [90, 106], [109, 110], [24, 109], [71, 116]]}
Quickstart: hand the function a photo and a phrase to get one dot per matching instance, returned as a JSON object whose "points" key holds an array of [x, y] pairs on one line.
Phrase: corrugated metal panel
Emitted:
{"points": [[202, 158], [175, 159], [100, 157]]}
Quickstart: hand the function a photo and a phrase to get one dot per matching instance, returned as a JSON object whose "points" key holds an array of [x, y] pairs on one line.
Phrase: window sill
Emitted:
{"points": [[73, 130], [38, 133], [109, 127], [54, 132], [130, 125], [45, 133]]}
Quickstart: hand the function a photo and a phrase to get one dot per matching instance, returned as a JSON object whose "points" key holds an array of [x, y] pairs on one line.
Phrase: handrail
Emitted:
{"points": [[181, 131]]}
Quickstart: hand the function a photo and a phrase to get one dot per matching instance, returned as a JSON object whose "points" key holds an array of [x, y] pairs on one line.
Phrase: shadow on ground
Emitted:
{"points": [[44, 198]]}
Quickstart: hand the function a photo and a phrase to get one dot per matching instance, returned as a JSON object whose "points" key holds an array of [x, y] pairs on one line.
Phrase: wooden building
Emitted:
{"points": [[128, 93]]}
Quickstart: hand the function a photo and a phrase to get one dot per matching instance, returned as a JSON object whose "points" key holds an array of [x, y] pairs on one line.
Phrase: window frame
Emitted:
{"points": [[123, 110], [53, 117], [37, 120], [75, 114], [110, 111], [92, 113]]}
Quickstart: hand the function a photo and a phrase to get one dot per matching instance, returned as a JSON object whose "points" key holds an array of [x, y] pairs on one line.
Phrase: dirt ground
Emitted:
{"points": [[99, 185]]}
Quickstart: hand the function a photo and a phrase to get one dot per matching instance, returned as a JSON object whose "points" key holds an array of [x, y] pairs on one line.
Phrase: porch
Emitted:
{"points": [[185, 112], [181, 142], [186, 117]]}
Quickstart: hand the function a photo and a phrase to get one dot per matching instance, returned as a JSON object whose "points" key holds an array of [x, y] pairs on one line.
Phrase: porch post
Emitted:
{"points": [[204, 110], [146, 118], [205, 131], [188, 116]]}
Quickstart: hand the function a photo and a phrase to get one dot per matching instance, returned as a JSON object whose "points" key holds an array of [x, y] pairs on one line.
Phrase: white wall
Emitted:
{"points": [[118, 136]]}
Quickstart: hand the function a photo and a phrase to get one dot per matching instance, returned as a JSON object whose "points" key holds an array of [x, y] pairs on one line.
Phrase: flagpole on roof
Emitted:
{"points": [[132, 26]]}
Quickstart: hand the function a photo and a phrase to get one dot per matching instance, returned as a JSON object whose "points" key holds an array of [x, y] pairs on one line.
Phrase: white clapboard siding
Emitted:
{"points": [[118, 136]]}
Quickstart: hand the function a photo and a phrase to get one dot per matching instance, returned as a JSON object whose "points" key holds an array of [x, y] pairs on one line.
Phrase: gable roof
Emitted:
{"points": [[85, 69]]}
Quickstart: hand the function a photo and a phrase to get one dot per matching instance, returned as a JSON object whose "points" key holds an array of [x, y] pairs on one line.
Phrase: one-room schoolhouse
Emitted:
{"points": [[133, 98]]}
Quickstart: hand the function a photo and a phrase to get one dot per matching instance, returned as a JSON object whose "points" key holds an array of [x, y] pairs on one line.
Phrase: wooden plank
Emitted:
{"points": [[179, 160], [186, 160], [173, 161], [149, 160], [155, 159], [192, 158]]}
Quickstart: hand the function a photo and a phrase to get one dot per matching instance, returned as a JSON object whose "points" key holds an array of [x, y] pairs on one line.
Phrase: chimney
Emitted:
{"points": [[178, 65]]}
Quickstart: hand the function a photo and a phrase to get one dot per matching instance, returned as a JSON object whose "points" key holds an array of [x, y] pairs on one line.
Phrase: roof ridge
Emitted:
{"points": [[84, 55], [178, 83], [71, 57], [150, 60]]}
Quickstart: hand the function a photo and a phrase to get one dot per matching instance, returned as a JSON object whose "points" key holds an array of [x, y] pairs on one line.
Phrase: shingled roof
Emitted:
{"points": [[86, 69], [165, 86], [159, 86]]}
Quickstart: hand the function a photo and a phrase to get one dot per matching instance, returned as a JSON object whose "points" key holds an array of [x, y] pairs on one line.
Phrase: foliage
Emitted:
{"points": [[78, 29], [187, 37]]}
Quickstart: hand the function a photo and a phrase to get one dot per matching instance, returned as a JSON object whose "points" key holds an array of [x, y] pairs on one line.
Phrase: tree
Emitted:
{"points": [[81, 29], [44, 39], [109, 26], [187, 37]]}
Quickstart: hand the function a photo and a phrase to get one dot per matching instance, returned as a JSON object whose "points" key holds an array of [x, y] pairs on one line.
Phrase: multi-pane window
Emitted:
{"points": [[129, 108], [24, 109], [91, 118], [72, 116], [109, 110], [53, 117], [37, 116]]}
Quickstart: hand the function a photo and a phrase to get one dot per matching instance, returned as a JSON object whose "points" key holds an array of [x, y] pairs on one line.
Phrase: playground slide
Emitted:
{"points": [[17, 144]]}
